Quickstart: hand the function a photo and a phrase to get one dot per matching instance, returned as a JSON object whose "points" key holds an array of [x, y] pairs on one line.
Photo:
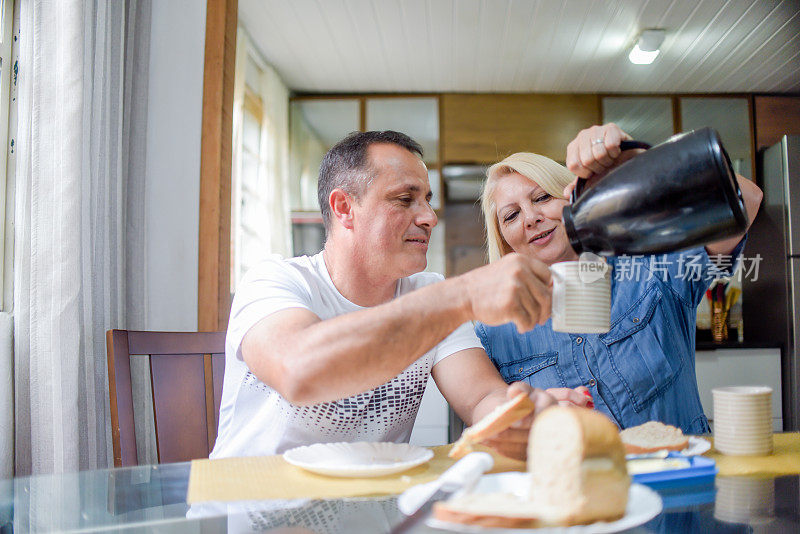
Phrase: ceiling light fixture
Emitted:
{"points": [[645, 51]]}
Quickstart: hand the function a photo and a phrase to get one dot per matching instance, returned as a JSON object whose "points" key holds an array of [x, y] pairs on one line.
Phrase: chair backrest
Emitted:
{"points": [[186, 372]]}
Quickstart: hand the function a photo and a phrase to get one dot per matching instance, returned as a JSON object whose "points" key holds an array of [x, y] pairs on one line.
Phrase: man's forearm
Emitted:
{"points": [[355, 352]]}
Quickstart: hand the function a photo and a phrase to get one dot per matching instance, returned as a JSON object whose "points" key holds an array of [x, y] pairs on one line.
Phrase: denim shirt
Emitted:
{"points": [[643, 368]]}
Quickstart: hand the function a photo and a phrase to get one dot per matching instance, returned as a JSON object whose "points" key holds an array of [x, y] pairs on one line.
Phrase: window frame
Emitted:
{"points": [[252, 104]]}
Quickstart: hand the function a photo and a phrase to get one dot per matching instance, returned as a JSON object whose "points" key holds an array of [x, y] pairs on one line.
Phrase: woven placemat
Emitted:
{"points": [[784, 460], [271, 477]]}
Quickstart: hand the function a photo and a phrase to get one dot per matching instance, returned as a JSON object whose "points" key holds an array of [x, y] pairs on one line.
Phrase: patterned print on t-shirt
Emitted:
{"points": [[372, 413]]}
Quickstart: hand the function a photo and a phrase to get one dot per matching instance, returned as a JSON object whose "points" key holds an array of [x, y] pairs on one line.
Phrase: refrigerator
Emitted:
{"points": [[772, 301]]}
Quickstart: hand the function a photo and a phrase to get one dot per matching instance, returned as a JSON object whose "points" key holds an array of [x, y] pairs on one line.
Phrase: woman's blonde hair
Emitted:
{"points": [[549, 175]]}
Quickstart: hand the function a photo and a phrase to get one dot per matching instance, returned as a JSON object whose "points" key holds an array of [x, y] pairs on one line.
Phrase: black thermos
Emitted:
{"points": [[678, 194]]}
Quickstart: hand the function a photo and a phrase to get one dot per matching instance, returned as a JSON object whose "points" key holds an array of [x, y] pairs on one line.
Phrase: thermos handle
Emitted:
{"points": [[624, 145]]}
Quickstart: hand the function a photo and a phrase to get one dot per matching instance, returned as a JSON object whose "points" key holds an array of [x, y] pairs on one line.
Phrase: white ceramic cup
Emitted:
{"points": [[581, 296], [743, 420]]}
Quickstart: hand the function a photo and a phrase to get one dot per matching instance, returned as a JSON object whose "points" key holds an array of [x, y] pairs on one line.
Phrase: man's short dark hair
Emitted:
{"points": [[347, 167]]}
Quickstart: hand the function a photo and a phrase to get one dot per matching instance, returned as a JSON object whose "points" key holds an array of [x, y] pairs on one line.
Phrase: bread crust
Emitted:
{"points": [[600, 437], [513, 410], [606, 498]]}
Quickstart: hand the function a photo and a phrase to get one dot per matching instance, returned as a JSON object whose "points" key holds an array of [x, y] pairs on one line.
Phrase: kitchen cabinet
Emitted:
{"points": [[316, 125], [645, 118], [775, 116], [484, 128], [731, 118], [417, 117]]}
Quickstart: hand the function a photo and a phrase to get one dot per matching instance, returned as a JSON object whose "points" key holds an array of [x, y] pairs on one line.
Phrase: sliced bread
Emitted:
{"points": [[492, 424], [653, 436]]}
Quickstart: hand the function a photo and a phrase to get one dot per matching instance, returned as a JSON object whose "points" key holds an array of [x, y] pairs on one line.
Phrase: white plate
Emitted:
{"points": [[643, 505], [358, 459], [696, 446]]}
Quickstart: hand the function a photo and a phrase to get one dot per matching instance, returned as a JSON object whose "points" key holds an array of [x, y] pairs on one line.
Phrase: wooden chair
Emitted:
{"points": [[186, 371]]}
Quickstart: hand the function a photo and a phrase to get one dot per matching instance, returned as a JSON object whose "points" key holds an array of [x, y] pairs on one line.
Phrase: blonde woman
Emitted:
{"points": [[643, 368]]}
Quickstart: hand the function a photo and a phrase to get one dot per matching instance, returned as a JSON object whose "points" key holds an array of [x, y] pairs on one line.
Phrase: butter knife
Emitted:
{"points": [[462, 475]]}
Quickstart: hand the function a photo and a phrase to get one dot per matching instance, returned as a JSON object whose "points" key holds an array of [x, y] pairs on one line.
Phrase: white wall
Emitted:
{"points": [[172, 186], [432, 426]]}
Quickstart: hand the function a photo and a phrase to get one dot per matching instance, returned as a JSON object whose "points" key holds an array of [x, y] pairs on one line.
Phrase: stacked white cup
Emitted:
{"points": [[743, 420], [582, 295]]}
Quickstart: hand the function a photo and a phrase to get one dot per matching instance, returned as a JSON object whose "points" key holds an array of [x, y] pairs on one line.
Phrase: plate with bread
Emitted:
{"points": [[501, 503], [576, 479], [653, 437]]}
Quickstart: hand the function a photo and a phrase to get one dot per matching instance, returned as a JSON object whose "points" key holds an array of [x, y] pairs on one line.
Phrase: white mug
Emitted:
{"points": [[581, 296], [743, 420]]}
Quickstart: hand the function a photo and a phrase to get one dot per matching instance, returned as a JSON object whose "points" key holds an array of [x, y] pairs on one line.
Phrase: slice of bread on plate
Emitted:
{"points": [[492, 424], [653, 436], [578, 476]]}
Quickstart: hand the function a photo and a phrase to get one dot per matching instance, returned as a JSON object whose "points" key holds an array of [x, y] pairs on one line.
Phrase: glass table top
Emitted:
{"points": [[153, 498]]}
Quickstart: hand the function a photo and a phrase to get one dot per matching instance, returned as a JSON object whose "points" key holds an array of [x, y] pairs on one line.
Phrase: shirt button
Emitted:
{"points": [[592, 382], [579, 340]]}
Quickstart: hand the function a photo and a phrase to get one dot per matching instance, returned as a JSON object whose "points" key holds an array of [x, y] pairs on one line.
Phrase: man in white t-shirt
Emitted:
{"points": [[339, 346]]}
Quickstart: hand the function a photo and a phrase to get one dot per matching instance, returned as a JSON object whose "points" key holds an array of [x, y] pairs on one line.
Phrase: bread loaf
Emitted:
{"points": [[653, 436], [578, 476], [577, 465], [499, 419]]}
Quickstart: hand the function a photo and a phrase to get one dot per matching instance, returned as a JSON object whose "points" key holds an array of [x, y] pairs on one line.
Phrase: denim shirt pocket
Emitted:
{"points": [[538, 370], [637, 355]]}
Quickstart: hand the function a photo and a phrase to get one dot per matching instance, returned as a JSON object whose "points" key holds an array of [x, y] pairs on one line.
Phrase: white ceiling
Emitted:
{"points": [[527, 45]]}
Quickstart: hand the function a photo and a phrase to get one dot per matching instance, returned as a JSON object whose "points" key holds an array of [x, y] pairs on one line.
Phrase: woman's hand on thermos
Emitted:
{"points": [[595, 151]]}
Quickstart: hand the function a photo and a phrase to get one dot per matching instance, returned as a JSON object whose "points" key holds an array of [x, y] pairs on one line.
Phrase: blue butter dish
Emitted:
{"points": [[673, 471]]}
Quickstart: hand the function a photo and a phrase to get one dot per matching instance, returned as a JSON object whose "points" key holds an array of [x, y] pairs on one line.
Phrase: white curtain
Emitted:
{"points": [[6, 397], [275, 160], [78, 219], [271, 193]]}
